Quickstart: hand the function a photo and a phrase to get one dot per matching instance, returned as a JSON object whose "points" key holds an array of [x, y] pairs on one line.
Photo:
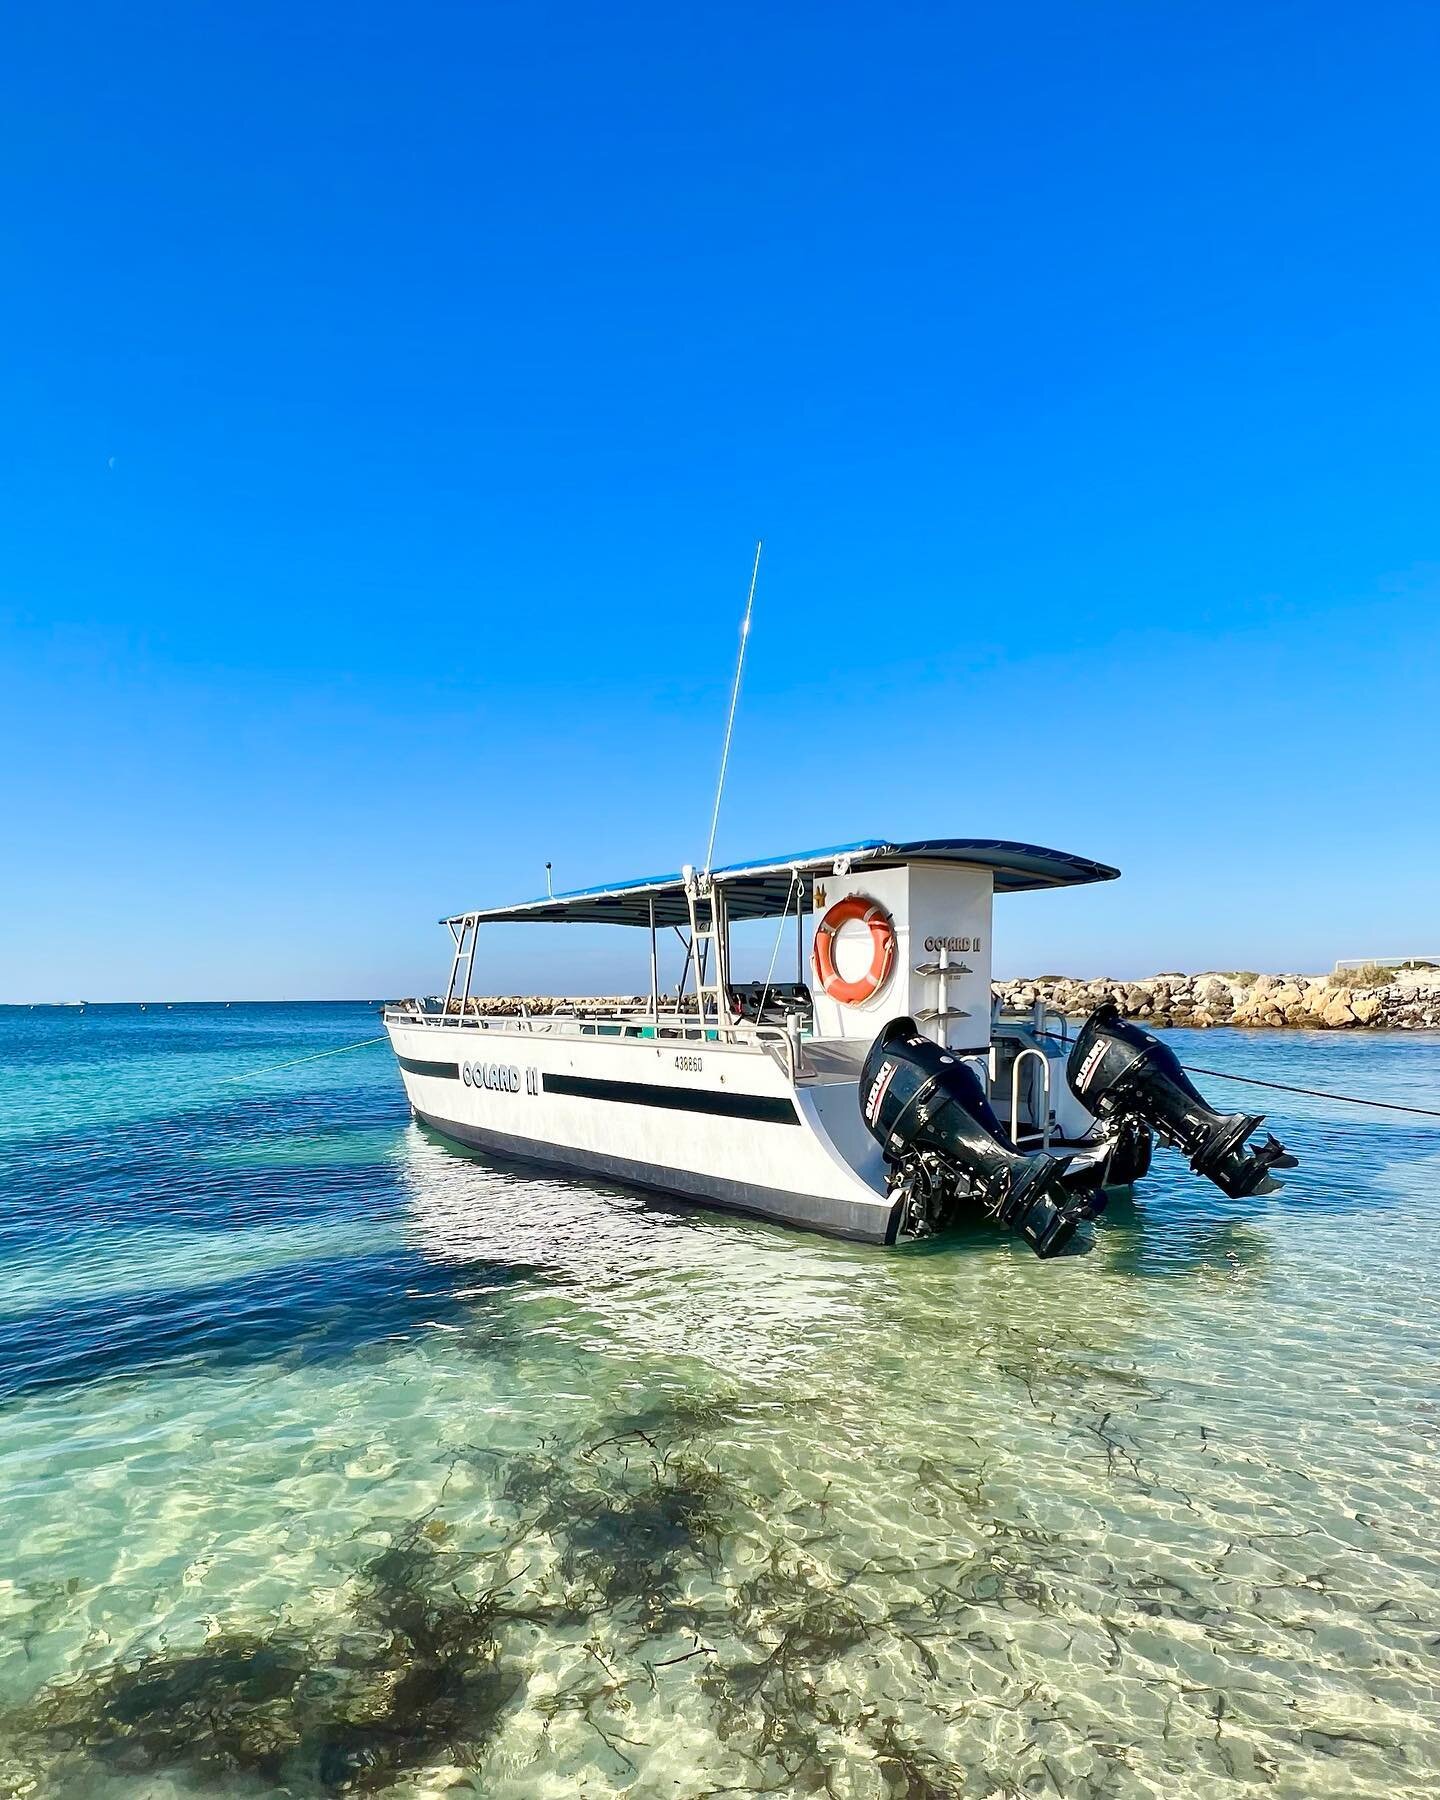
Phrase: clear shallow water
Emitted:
{"points": [[334, 1460]]}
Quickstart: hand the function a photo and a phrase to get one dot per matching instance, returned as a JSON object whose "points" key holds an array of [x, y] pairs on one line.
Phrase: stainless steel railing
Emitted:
{"points": [[639, 1027]]}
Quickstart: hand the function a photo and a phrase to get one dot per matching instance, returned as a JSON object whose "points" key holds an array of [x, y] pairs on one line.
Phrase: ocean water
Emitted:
{"points": [[333, 1460]]}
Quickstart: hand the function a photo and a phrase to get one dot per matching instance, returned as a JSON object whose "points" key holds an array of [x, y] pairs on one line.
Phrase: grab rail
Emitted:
{"points": [[1044, 1062], [625, 1027]]}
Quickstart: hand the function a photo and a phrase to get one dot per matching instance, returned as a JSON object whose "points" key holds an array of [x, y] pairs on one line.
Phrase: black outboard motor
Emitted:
{"points": [[1121, 1073], [943, 1142]]}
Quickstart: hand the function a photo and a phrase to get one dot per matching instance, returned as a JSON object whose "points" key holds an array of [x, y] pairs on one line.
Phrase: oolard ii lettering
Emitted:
{"points": [[503, 1078], [952, 943]]}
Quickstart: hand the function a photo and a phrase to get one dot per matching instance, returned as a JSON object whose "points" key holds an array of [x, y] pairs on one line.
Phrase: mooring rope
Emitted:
{"points": [[1424, 1112], [250, 1074]]}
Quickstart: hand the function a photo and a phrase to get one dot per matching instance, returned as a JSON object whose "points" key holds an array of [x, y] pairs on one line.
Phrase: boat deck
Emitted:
{"points": [[822, 1061]]}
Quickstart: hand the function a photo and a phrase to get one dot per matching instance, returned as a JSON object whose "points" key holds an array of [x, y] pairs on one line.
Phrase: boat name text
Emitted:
{"points": [[503, 1078]]}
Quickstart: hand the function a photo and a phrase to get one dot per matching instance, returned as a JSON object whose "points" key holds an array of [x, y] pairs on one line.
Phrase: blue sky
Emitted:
{"points": [[392, 399]]}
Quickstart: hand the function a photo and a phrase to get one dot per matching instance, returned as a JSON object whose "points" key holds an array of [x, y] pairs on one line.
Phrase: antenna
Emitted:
{"points": [[734, 702], [549, 884]]}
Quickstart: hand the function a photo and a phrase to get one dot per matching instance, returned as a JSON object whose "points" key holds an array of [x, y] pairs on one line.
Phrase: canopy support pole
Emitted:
{"points": [[685, 966], [470, 965], [654, 968], [460, 937]]}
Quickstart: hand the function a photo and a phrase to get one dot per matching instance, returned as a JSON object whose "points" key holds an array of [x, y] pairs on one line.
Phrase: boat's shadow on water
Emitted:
{"points": [[1176, 1223], [290, 1315], [1124, 1241], [1176, 1240]]}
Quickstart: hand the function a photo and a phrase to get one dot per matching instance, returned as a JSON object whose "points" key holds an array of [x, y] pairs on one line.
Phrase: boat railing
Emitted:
{"points": [[642, 1026]]}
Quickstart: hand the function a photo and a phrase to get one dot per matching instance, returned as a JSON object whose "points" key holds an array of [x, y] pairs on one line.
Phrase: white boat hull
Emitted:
{"points": [[718, 1123]]}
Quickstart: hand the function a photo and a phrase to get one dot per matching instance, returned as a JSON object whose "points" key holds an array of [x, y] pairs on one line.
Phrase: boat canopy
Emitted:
{"points": [[765, 889]]}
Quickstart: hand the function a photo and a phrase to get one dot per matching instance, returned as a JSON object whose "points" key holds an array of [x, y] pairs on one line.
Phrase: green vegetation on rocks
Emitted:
{"points": [[1368, 975]]}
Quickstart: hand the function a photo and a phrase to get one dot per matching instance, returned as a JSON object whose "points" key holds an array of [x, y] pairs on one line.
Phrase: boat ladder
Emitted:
{"points": [[707, 946]]}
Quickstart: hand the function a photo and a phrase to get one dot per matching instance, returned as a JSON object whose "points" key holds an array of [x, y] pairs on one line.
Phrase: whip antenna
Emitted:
{"points": [[734, 702]]}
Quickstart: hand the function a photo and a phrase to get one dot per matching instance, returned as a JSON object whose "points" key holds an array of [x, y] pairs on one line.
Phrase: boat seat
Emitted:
{"points": [[768, 1002]]}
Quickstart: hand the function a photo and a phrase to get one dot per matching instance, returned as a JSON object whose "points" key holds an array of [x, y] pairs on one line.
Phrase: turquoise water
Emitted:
{"points": [[333, 1460]]}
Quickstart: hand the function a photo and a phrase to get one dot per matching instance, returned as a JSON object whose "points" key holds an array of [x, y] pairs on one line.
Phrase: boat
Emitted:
{"points": [[880, 1095]]}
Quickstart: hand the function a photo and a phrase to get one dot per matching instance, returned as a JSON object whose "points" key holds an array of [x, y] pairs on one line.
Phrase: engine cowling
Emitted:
{"points": [[1122, 1074], [945, 1146]]}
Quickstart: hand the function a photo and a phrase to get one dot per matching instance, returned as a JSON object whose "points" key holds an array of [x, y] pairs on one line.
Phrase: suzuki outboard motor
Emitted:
{"points": [[1121, 1073], [944, 1144]]}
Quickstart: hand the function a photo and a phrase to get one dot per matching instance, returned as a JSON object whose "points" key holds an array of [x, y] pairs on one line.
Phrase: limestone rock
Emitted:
{"points": [[1298, 1001]]}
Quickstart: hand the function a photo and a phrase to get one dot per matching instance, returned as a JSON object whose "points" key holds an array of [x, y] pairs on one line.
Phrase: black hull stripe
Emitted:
{"points": [[768, 1109], [446, 1071]]}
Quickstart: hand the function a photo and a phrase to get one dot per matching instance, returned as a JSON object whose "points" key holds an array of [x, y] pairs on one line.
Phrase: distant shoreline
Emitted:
{"points": [[166, 1005]]}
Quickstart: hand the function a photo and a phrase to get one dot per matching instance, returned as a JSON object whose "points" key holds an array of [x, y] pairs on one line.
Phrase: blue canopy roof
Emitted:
{"points": [[763, 889]]}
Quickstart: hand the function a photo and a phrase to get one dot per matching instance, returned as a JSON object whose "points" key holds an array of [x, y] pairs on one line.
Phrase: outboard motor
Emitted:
{"points": [[1123, 1074], [944, 1144]]}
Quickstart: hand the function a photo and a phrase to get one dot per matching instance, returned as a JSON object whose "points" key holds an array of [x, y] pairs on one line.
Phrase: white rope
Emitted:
{"points": [[250, 1074], [734, 702]]}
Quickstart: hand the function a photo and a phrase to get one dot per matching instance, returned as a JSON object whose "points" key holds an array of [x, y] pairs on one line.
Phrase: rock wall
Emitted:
{"points": [[583, 1006], [1313, 1002]]}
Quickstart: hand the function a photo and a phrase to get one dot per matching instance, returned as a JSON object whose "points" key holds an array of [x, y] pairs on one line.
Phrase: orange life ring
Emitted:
{"points": [[882, 939]]}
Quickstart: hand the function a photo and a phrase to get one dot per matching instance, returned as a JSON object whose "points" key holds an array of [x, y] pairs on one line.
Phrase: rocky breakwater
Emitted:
{"points": [[1380, 999], [585, 1006]]}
